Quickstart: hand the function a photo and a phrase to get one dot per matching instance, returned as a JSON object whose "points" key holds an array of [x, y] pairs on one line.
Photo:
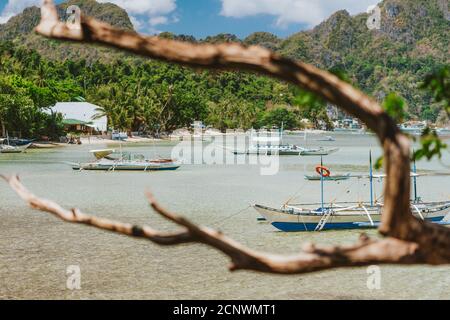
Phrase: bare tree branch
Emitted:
{"points": [[261, 60], [77, 216], [408, 241], [312, 258]]}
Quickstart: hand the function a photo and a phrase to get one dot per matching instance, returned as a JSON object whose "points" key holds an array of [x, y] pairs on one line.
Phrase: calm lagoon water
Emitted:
{"points": [[36, 248]]}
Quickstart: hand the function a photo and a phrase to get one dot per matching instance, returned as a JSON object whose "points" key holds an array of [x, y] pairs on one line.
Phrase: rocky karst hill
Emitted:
{"points": [[20, 30], [24, 23], [412, 41]]}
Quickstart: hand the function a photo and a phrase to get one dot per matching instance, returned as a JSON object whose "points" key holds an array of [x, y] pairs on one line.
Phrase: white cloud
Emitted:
{"points": [[14, 7], [145, 14], [137, 24], [149, 7], [154, 21], [5, 18], [292, 11]]}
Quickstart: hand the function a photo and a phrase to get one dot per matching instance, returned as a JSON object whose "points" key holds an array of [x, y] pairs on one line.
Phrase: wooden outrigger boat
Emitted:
{"points": [[10, 147], [5, 148], [286, 150], [13, 149], [318, 151], [125, 161], [347, 215], [338, 177], [273, 145], [342, 215], [16, 142]]}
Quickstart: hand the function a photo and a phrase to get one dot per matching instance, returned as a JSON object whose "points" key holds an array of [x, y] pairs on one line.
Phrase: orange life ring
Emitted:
{"points": [[323, 171]]}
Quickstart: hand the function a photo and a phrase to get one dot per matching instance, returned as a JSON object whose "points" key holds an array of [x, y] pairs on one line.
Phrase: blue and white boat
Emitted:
{"points": [[346, 215], [340, 216], [12, 148], [117, 135]]}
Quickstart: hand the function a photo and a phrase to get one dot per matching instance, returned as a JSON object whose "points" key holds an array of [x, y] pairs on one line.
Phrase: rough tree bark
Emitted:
{"points": [[407, 239]]}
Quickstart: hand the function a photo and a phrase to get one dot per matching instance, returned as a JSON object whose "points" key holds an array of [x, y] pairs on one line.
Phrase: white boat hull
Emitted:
{"points": [[296, 219], [318, 152], [108, 165], [13, 149], [287, 151]]}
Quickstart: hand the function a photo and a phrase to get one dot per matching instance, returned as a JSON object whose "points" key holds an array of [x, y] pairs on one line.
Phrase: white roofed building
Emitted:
{"points": [[84, 112]]}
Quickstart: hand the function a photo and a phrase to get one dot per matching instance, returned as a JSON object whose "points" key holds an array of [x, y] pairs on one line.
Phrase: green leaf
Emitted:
{"points": [[431, 145], [395, 107], [379, 163]]}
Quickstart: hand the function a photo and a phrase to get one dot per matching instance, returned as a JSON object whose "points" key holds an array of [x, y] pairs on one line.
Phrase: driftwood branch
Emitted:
{"points": [[312, 258], [408, 240]]}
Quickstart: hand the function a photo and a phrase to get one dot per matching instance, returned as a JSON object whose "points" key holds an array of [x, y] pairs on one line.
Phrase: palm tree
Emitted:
{"points": [[40, 76], [105, 97]]}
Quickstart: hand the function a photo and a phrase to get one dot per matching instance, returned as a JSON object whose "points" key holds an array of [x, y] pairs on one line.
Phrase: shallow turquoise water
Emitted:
{"points": [[36, 249]]}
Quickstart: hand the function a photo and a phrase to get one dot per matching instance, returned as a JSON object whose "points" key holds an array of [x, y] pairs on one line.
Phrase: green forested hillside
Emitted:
{"points": [[412, 42], [137, 95]]}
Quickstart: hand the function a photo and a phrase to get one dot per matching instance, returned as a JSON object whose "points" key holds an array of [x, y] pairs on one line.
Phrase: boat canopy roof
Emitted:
{"points": [[266, 139], [100, 154]]}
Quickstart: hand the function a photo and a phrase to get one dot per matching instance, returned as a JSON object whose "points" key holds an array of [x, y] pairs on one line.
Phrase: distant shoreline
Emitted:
{"points": [[176, 136]]}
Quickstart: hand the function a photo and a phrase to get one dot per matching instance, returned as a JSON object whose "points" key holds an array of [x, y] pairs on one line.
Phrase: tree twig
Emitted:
{"points": [[77, 216], [312, 258]]}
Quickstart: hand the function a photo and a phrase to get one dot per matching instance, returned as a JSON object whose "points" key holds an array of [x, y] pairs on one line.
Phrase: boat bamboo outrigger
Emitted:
{"points": [[347, 215], [327, 175]]}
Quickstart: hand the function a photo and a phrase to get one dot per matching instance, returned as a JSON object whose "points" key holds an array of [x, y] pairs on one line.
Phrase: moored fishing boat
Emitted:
{"points": [[271, 144], [10, 147], [337, 177], [317, 151], [5, 148], [19, 142], [107, 160], [286, 150], [323, 173], [346, 215], [349, 215]]}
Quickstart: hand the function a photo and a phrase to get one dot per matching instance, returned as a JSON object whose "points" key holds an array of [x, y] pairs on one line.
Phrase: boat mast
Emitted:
{"points": [[281, 133], [321, 182], [371, 178], [415, 178]]}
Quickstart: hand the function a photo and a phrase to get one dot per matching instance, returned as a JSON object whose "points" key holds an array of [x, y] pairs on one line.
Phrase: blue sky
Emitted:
{"points": [[209, 17]]}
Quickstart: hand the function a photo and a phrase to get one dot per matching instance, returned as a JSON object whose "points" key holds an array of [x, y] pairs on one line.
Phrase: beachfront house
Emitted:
{"points": [[80, 117]]}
